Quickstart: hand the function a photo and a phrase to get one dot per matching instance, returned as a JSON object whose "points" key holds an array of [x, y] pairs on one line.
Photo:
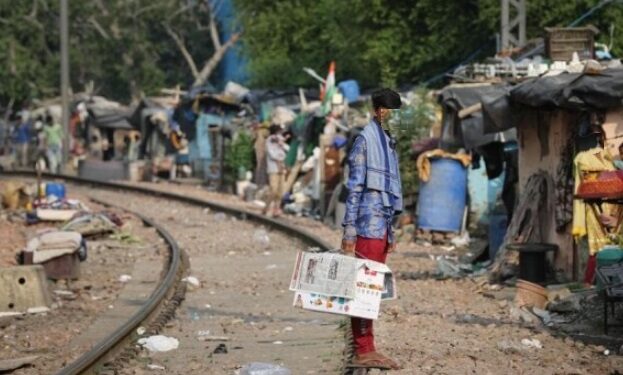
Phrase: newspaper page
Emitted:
{"points": [[325, 273]]}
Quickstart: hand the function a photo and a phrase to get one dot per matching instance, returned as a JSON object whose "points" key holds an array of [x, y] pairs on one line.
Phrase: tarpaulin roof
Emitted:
{"points": [[110, 118], [573, 91], [468, 132]]}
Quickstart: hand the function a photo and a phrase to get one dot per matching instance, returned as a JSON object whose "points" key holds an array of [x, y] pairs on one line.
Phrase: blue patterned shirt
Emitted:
{"points": [[369, 213]]}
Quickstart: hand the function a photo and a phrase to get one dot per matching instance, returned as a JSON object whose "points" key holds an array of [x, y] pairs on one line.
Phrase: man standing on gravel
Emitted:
{"points": [[374, 197]]}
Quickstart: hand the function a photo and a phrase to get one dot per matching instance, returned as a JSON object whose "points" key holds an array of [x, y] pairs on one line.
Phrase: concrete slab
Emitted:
{"points": [[23, 287]]}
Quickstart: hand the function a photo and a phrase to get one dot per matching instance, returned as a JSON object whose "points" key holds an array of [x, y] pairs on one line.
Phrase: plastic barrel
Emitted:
{"points": [[55, 189], [497, 231], [350, 90], [441, 200]]}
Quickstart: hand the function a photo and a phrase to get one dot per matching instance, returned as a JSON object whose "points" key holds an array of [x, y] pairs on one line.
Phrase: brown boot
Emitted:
{"points": [[374, 360]]}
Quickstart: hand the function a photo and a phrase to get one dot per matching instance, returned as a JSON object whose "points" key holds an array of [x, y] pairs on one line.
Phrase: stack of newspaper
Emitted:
{"points": [[340, 284]]}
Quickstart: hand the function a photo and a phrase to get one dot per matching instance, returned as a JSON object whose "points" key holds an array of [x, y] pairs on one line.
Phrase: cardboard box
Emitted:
{"points": [[339, 284]]}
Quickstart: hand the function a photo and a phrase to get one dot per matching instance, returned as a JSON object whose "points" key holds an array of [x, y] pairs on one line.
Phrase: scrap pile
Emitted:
{"points": [[58, 248]]}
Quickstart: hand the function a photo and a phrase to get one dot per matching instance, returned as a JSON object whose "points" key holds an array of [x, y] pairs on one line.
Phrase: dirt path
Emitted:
{"points": [[243, 297], [452, 327], [53, 336]]}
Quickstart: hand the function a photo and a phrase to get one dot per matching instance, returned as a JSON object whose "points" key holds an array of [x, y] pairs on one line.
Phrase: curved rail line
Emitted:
{"points": [[113, 343], [100, 352]]}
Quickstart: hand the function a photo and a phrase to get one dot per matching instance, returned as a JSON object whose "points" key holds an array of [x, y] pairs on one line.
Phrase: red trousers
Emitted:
{"points": [[589, 274], [373, 249]]}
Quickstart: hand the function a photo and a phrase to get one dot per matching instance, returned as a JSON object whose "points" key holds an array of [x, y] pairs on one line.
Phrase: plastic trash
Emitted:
{"points": [[447, 268], [219, 216], [192, 281], [532, 343], [221, 349], [125, 278], [195, 316], [159, 343], [261, 238], [461, 241], [259, 368]]}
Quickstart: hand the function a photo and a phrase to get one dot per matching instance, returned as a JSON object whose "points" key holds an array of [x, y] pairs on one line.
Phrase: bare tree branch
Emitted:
{"points": [[34, 11], [181, 10], [148, 8], [102, 7], [44, 4], [99, 28], [216, 41], [212, 63], [12, 67], [32, 16], [182, 47]]}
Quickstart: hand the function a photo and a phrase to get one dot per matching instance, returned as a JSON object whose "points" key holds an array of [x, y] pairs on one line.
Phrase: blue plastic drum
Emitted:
{"points": [[442, 199], [350, 90], [55, 189]]}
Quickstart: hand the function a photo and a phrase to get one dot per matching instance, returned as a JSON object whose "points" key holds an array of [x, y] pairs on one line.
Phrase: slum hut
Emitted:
{"points": [[554, 115], [107, 127], [491, 173], [205, 117]]}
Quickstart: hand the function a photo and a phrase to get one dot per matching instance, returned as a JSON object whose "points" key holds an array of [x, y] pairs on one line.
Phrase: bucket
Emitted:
{"points": [[56, 189], [530, 294]]}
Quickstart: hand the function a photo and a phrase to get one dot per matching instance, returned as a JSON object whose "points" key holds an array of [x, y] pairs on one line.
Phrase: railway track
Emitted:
{"points": [[114, 352]]}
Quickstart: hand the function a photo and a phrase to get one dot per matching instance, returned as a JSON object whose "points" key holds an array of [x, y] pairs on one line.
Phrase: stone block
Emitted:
{"points": [[23, 287]]}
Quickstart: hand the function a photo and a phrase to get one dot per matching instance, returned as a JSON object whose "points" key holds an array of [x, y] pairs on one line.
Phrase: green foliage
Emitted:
{"points": [[124, 48], [389, 42], [239, 155], [415, 120], [121, 46]]}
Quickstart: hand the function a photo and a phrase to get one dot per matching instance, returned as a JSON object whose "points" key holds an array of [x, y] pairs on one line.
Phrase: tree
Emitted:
{"points": [[198, 12], [127, 48], [389, 42]]}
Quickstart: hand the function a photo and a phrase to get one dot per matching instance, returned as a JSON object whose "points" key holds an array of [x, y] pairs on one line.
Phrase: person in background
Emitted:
{"points": [[374, 197], [618, 163], [131, 143], [53, 132], [21, 138], [182, 159], [40, 140], [587, 224], [276, 149]]}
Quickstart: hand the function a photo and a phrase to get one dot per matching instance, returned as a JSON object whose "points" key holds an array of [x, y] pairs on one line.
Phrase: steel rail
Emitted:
{"points": [[100, 351], [95, 356]]}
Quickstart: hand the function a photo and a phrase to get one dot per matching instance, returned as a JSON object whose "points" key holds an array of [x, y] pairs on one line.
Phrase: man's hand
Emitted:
{"points": [[391, 247], [348, 247]]}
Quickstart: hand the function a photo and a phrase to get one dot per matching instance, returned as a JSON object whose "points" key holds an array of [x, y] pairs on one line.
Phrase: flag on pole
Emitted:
{"points": [[328, 90]]}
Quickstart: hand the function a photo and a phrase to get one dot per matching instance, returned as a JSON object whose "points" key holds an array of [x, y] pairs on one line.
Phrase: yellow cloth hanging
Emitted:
{"points": [[423, 161], [588, 164]]}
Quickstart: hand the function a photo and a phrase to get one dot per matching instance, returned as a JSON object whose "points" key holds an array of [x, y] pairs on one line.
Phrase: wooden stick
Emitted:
{"points": [[470, 110]]}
